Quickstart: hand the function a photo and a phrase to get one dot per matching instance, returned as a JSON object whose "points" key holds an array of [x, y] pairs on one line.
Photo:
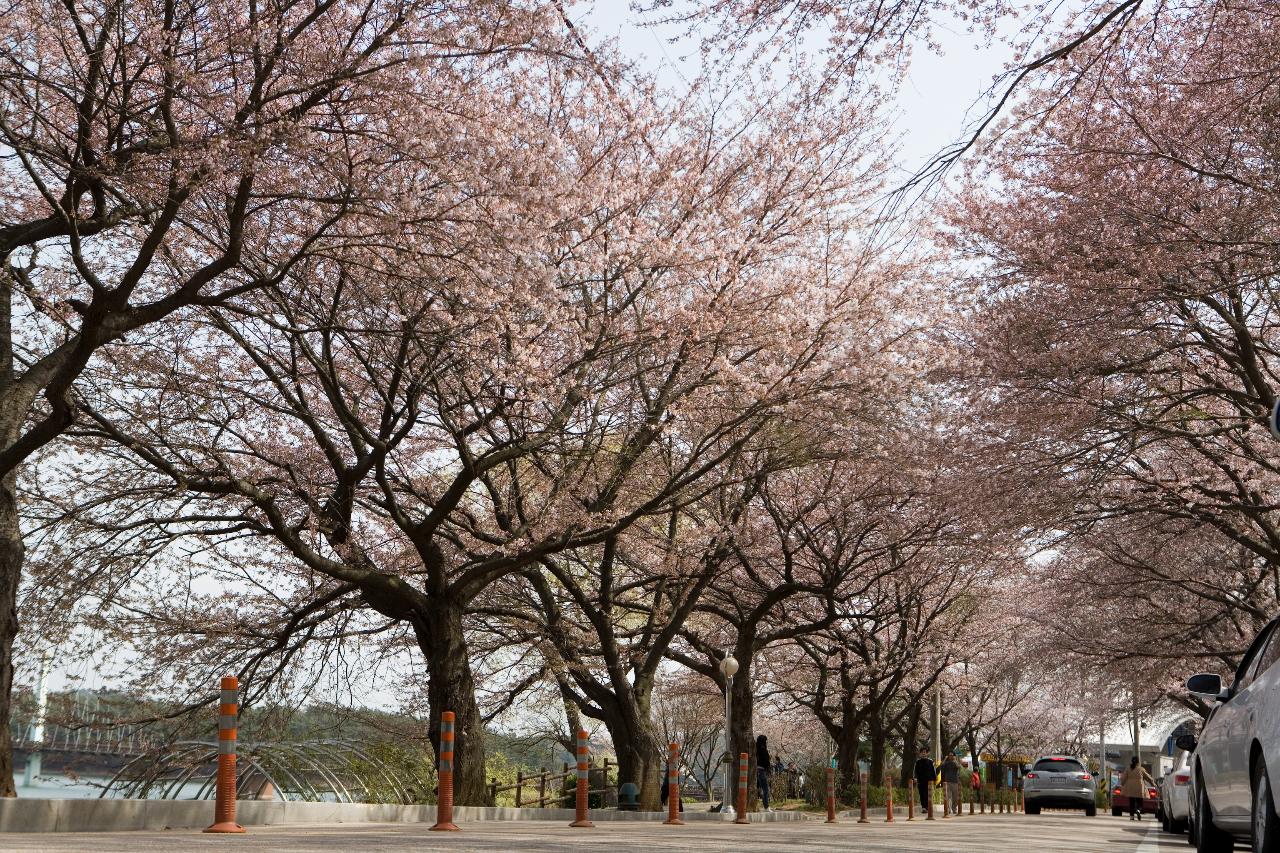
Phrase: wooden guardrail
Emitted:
{"points": [[549, 786]]}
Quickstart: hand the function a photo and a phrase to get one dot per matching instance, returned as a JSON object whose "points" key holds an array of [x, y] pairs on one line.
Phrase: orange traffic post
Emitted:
{"points": [[742, 789], [862, 817], [673, 787], [224, 807], [831, 795], [946, 801], [888, 802], [444, 772], [580, 816], [911, 799], [932, 799], [971, 798], [1022, 801], [982, 798]]}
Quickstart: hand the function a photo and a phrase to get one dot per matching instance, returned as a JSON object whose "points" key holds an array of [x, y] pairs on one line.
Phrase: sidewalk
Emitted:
{"points": [[1068, 833]]}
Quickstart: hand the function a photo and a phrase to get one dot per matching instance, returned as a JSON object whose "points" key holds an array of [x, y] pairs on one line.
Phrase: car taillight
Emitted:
{"points": [[1030, 776], [1151, 792], [1182, 777], [1117, 790], [1085, 777]]}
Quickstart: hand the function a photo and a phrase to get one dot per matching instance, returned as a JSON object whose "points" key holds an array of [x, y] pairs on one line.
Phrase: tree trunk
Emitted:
{"points": [[847, 747], [878, 738], [640, 759], [12, 552], [910, 742], [451, 687], [742, 732]]}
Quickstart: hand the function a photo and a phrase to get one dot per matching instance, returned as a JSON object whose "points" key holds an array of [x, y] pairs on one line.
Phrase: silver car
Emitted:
{"points": [[1233, 795], [1059, 782]]}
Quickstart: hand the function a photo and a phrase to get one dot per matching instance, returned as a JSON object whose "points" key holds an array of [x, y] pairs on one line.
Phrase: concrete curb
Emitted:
{"points": [[81, 815]]}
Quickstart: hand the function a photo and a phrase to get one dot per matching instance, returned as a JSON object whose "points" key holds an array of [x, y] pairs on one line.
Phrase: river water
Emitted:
{"points": [[54, 786]]}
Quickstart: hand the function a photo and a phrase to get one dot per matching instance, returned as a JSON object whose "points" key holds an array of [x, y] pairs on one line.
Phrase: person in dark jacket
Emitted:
{"points": [[951, 783], [926, 773], [763, 769]]}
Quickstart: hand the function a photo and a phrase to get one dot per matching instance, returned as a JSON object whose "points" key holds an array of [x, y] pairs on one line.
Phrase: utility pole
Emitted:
{"points": [[937, 726], [1137, 744], [1102, 749]]}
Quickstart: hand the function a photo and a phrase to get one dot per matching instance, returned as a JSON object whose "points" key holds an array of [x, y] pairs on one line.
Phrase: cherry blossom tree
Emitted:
{"points": [[164, 156], [581, 321], [1124, 346]]}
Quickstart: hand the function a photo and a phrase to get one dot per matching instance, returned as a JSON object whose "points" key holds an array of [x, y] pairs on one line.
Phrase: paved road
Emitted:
{"points": [[1068, 833]]}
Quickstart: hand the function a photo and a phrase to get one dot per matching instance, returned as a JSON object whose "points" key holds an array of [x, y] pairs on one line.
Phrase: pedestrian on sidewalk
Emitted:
{"points": [[763, 770], [1133, 784], [951, 783], [926, 773]]}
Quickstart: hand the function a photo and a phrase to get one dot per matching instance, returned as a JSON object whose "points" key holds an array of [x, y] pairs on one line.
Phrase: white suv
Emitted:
{"points": [[1238, 752]]}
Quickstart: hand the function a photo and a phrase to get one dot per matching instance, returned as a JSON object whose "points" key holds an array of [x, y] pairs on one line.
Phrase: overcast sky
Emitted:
{"points": [[932, 107]]}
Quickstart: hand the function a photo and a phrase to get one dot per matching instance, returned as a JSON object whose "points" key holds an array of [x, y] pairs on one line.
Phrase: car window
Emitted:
{"points": [[1267, 656], [1059, 765], [1244, 673]]}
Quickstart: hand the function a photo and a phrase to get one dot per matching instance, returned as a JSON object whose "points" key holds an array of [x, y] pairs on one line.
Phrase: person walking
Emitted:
{"points": [[951, 783], [763, 770], [1133, 784], [926, 773]]}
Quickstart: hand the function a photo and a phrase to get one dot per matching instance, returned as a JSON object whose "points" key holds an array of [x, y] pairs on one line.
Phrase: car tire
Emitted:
{"points": [[1164, 821], [1115, 812], [1032, 809], [1177, 827], [1266, 824], [1091, 811], [1208, 837]]}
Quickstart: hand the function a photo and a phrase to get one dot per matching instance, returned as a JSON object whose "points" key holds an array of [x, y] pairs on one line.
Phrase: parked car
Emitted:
{"points": [[1175, 794], [1059, 782], [1120, 803], [1238, 749]]}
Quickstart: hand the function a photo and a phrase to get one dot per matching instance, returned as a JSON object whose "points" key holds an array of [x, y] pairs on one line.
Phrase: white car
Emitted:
{"points": [[1175, 793], [1238, 752]]}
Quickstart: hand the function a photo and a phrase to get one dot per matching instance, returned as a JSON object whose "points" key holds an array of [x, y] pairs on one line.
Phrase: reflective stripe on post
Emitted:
{"points": [[831, 792], [581, 817], [743, 768], [888, 789], [673, 786], [224, 808], [444, 801], [862, 817]]}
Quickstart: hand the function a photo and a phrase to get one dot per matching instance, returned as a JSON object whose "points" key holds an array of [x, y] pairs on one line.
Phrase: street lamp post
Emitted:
{"points": [[728, 666]]}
